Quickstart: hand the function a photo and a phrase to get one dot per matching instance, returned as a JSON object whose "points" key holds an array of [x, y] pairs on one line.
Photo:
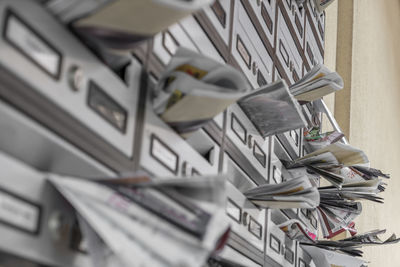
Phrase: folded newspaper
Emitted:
{"points": [[331, 162], [328, 258], [352, 245], [122, 23], [338, 209], [319, 82], [337, 153], [337, 216], [367, 189], [194, 89], [178, 222], [273, 110], [294, 193]]}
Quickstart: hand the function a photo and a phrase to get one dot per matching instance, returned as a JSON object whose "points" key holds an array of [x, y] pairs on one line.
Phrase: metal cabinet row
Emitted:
{"points": [[69, 113]]}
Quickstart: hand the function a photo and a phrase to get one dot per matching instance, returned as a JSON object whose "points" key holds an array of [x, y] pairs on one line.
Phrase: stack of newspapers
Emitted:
{"points": [[330, 160], [351, 245], [138, 222], [345, 167]]}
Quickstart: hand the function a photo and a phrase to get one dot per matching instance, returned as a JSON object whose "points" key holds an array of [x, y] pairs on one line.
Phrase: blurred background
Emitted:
{"points": [[362, 43]]}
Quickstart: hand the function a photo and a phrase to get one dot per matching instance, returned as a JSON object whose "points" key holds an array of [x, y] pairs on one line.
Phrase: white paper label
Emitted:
{"points": [[233, 211], [244, 53], [275, 244], [33, 46], [255, 228], [164, 155], [18, 213], [169, 43]]}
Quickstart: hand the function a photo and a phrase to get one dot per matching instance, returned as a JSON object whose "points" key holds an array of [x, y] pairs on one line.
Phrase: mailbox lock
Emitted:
{"points": [[76, 78], [58, 226], [255, 68], [250, 141], [245, 218]]}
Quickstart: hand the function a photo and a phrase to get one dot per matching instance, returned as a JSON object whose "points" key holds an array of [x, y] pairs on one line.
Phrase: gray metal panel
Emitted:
{"points": [[311, 49], [47, 247], [318, 21], [232, 255], [250, 216], [200, 38], [248, 49], [28, 141], [164, 152], [274, 240], [219, 15], [167, 42], [242, 133], [296, 15], [72, 54], [288, 140], [286, 50], [303, 258], [265, 11]]}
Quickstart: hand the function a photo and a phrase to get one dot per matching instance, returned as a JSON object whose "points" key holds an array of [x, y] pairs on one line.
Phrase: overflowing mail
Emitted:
{"points": [[163, 223], [136, 17], [273, 110], [294, 193]]}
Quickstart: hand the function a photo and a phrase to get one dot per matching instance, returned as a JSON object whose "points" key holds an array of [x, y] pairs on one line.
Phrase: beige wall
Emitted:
{"points": [[368, 57]]}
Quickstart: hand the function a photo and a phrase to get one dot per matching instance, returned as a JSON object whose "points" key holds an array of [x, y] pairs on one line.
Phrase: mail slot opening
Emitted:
{"points": [[77, 242], [204, 145], [277, 217], [280, 151], [237, 176]]}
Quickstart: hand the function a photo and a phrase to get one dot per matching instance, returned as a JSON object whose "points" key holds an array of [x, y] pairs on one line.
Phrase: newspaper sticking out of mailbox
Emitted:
{"points": [[122, 23], [351, 245], [341, 165], [163, 223], [327, 258], [342, 154], [294, 193], [194, 89], [367, 190], [273, 110], [337, 216], [320, 81]]}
